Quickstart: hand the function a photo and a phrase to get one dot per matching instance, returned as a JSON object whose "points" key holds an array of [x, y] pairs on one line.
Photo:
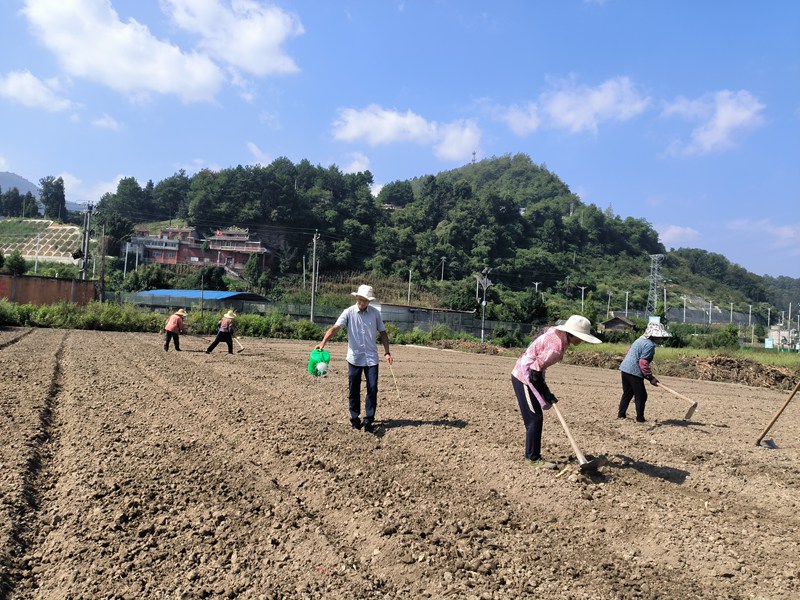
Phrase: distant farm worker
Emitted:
{"points": [[174, 328], [224, 332], [530, 387], [636, 368], [363, 322]]}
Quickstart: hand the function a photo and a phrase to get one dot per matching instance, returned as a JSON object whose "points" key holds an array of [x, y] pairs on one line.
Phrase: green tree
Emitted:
{"points": [[11, 203], [30, 207], [252, 270], [52, 197], [171, 196], [15, 264]]}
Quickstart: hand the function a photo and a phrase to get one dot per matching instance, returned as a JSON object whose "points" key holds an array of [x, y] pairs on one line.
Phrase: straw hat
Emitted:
{"points": [[656, 330], [580, 327], [181, 312], [229, 315], [364, 291]]}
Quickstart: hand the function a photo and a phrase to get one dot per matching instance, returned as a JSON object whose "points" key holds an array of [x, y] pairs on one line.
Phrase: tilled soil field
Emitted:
{"points": [[128, 472]]}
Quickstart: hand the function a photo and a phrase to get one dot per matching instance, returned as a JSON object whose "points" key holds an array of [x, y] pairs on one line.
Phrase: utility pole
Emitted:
{"points": [[485, 283], [608, 308], [749, 314], [536, 283], [87, 222], [731, 319], [626, 304], [684, 308], [313, 274], [709, 312], [125, 268], [444, 258], [408, 301], [103, 266], [583, 287]]}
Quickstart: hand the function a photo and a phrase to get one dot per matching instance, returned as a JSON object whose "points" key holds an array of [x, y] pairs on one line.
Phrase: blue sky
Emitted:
{"points": [[683, 112]]}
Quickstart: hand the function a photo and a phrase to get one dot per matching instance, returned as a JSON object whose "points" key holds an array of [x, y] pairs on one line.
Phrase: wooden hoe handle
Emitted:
{"points": [[778, 414], [581, 457], [661, 385]]}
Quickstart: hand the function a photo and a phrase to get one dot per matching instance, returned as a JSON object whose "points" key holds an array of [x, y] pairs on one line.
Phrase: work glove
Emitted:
{"points": [[653, 381], [552, 399]]}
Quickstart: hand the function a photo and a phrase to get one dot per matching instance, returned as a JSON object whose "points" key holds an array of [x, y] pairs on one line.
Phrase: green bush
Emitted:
{"points": [[8, 313]]}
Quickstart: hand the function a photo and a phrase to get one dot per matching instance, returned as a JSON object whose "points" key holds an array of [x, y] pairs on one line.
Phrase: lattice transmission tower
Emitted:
{"points": [[652, 297]]}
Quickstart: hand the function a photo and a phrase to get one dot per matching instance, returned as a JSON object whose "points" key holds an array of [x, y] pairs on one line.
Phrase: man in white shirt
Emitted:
{"points": [[362, 322]]}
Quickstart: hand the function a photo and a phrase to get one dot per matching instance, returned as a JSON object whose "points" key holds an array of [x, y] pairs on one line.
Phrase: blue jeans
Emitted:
{"points": [[354, 381]]}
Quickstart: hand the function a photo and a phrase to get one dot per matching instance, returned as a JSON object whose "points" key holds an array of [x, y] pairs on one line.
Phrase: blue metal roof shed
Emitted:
{"points": [[209, 299]]}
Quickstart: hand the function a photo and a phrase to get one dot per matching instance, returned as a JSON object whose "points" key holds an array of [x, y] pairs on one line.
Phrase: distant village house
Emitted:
{"points": [[230, 248]]}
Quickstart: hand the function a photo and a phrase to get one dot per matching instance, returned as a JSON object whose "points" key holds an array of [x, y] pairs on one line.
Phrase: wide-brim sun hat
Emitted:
{"points": [[181, 312], [364, 291], [229, 315], [656, 330], [580, 327]]}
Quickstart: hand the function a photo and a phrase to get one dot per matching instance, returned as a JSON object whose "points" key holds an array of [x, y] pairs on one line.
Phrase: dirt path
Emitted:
{"points": [[127, 472]]}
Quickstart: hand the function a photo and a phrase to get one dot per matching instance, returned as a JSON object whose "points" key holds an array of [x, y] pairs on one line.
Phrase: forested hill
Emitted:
{"points": [[504, 213]]}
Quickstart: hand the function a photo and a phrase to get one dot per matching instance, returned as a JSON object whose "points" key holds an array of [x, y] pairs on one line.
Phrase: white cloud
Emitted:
{"points": [[377, 126], [458, 140], [107, 122], [358, 163], [247, 36], [262, 158], [522, 120], [675, 236], [784, 237], [4, 164], [581, 108], [89, 41], [29, 90], [77, 192], [723, 116]]}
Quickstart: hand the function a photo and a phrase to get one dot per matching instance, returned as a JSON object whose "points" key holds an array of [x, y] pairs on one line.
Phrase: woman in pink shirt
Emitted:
{"points": [[530, 387], [174, 328]]}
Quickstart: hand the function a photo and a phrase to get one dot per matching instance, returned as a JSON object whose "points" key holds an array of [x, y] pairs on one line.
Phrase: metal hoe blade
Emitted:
{"points": [[690, 412], [591, 465]]}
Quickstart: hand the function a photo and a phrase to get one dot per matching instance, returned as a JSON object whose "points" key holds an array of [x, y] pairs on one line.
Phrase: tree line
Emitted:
{"points": [[545, 252]]}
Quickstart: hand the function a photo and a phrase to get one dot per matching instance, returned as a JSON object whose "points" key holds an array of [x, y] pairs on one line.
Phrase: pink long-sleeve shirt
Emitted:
{"points": [[175, 324], [544, 351]]}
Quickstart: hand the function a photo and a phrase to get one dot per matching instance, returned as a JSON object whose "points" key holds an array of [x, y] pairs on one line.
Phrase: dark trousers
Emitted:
{"points": [[532, 418], [175, 338], [222, 336], [354, 382], [632, 387]]}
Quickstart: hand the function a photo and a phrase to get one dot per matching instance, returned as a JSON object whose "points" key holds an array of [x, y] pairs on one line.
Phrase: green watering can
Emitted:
{"points": [[318, 362]]}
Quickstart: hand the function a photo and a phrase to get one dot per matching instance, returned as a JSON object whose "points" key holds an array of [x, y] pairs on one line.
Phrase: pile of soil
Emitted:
{"points": [[127, 473], [706, 368]]}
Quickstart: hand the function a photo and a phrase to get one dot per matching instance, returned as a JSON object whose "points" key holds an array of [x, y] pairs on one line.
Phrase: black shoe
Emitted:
{"points": [[166, 349], [355, 423], [369, 427], [621, 417], [638, 420], [177, 349]]}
